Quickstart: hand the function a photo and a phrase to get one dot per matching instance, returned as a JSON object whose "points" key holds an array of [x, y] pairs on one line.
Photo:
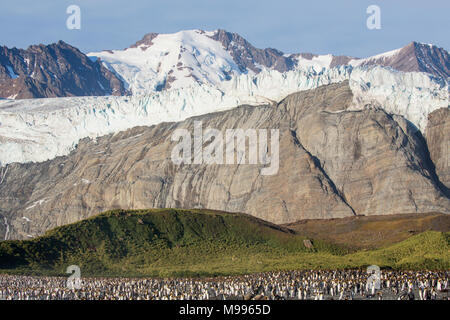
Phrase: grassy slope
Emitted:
{"points": [[371, 232], [168, 242]]}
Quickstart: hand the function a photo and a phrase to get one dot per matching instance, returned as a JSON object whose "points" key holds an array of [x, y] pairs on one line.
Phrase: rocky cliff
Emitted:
{"points": [[333, 162], [437, 134], [55, 70]]}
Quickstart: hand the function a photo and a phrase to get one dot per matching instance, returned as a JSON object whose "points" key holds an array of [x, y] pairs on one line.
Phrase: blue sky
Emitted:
{"points": [[319, 26]]}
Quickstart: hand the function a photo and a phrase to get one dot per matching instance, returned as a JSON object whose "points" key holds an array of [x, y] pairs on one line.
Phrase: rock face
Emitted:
{"points": [[333, 162], [247, 57], [379, 163], [437, 134], [415, 57], [56, 70]]}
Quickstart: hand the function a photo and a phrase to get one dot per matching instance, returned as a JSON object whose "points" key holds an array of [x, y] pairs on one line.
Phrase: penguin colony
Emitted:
{"points": [[286, 285]]}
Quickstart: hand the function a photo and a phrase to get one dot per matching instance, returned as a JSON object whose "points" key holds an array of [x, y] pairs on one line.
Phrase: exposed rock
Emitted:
{"points": [[416, 57], [56, 70], [437, 134], [340, 61], [333, 163], [379, 163], [247, 56]]}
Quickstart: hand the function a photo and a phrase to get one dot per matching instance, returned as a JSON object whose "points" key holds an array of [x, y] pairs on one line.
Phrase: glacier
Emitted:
{"points": [[35, 130]]}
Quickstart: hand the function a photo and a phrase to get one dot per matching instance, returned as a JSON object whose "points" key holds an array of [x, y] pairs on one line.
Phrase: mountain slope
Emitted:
{"points": [[437, 134], [55, 70], [247, 57], [170, 242], [414, 57], [127, 241], [163, 61], [333, 162], [371, 232]]}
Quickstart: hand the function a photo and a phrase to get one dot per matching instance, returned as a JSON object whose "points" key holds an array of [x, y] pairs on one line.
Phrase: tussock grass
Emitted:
{"points": [[172, 242]]}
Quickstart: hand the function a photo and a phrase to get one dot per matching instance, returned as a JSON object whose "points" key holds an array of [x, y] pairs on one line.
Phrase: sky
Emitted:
{"points": [[292, 26]]}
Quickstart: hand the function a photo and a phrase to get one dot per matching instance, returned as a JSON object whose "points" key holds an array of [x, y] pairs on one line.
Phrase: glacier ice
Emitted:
{"points": [[41, 129]]}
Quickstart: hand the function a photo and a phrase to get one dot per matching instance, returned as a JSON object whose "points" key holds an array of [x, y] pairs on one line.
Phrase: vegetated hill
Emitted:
{"points": [[430, 249], [147, 240], [169, 242], [371, 232]]}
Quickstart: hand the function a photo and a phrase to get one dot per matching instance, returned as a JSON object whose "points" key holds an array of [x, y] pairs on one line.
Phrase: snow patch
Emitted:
{"points": [[5, 220], [316, 62], [11, 72], [36, 203]]}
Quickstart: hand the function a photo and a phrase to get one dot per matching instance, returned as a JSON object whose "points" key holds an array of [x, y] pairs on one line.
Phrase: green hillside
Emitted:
{"points": [[169, 242]]}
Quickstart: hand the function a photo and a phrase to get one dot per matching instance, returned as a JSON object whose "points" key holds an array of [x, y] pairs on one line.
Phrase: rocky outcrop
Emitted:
{"points": [[437, 134], [247, 57], [333, 162], [146, 41], [378, 162], [55, 70]]}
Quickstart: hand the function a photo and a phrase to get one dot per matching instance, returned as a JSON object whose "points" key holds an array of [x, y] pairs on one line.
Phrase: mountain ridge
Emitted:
{"points": [[54, 70], [132, 63], [180, 63], [414, 57]]}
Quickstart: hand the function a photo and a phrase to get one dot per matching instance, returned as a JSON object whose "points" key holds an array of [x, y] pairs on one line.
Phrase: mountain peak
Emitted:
{"points": [[414, 57], [53, 70], [177, 60]]}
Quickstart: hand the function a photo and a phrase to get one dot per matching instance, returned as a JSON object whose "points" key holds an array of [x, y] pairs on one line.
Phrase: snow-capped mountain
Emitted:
{"points": [[178, 60], [167, 61], [170, 61], [164, 61], [176, 76]]}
